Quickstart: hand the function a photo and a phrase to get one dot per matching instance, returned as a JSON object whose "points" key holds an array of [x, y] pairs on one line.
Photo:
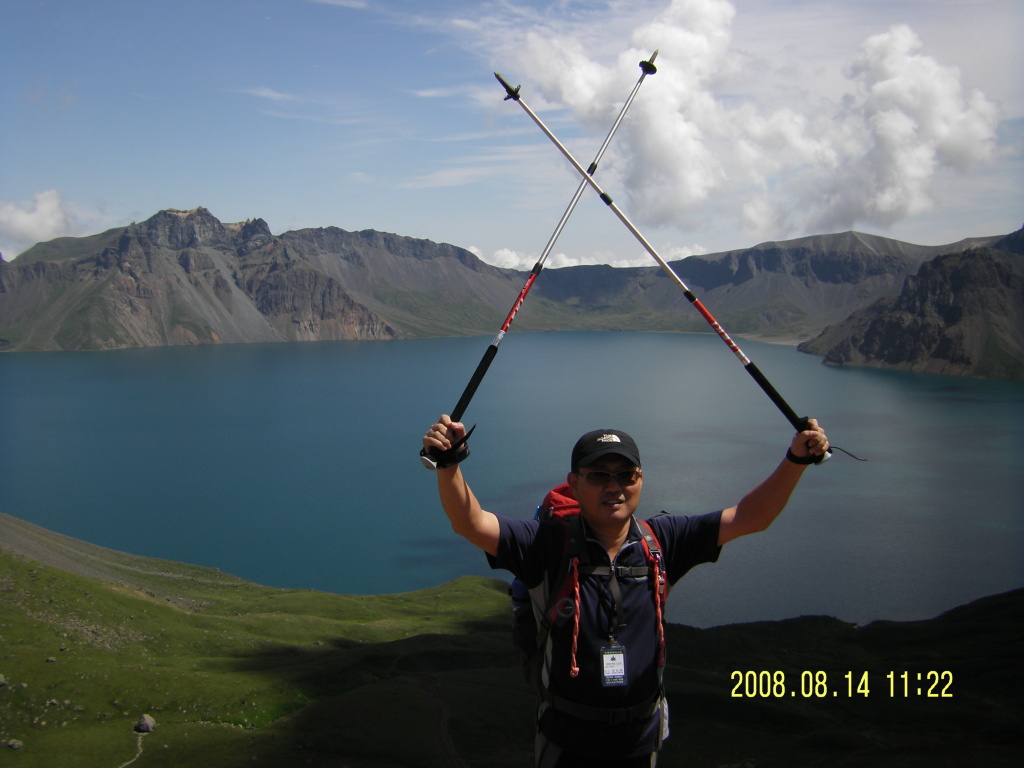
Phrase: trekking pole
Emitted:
{"points": [[430, 459], [799, 423]]}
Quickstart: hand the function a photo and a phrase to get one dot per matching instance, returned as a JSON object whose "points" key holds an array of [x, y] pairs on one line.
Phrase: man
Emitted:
{"points": [[603, 702]]}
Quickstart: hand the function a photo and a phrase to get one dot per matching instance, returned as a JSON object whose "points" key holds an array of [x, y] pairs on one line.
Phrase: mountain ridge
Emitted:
{"points": [[185, 277]]}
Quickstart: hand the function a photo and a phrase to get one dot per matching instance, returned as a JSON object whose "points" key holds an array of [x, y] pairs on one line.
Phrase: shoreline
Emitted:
{"points": [[32, 542]]}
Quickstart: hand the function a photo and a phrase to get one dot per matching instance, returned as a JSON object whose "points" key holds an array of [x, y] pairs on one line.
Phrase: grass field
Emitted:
{"points": [[239, 674]]}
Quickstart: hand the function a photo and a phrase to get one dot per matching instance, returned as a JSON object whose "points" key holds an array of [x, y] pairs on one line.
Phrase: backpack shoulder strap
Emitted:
{"points": [[576, 538], [557, 581], [560, 585], [651, 543], [654, 555]]}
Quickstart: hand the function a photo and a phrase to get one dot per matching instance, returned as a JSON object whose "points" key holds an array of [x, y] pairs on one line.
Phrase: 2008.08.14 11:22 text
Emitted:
{"points": [[819, 685]]}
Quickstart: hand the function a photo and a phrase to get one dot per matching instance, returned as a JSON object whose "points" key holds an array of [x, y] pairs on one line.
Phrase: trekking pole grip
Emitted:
{"points": [[459, 452]]}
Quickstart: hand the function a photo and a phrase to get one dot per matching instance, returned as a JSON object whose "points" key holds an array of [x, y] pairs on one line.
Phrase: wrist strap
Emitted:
{"points": [[444, 459], [790, 456]]}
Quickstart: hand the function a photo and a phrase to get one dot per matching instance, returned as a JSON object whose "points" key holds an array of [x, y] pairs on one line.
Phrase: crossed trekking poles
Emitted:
{"points": [[431, 459]]}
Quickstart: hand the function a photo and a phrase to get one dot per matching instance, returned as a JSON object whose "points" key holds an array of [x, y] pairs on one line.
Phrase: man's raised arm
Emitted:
{"points": [[762, 505], [467, 517]]}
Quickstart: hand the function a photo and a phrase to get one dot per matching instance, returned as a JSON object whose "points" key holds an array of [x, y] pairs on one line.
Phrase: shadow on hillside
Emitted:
{"points": [[815, 691], [459, 700], [426, 700]]}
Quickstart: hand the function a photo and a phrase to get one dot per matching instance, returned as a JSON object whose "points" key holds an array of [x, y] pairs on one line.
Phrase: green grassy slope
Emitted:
{"points": [[235, 673], [239, 674]]}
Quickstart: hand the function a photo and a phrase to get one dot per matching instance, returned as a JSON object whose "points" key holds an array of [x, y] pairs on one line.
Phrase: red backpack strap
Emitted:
{"points": [[564, 589], [659, 580], [653, 554]]}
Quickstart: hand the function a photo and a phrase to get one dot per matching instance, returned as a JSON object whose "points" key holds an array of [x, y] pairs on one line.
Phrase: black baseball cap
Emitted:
{"points": [[603, 442]]}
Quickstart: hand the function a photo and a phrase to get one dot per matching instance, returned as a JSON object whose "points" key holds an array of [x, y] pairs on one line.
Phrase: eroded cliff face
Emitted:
{"points": [[962, 314], [181, 277], [303, 304]]}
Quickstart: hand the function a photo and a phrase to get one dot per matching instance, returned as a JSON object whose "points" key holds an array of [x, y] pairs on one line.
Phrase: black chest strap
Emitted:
{"points": [[606, 715]]}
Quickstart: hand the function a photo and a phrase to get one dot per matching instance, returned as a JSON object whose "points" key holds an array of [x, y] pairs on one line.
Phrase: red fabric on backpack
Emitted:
{"points": [[560, 502]]}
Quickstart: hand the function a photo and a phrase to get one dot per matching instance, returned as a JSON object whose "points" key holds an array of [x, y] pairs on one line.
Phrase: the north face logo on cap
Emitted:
{"points": [[602, 442]]}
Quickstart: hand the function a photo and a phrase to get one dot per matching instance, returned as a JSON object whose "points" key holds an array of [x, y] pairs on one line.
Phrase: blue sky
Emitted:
{"points": [[765, 121]]}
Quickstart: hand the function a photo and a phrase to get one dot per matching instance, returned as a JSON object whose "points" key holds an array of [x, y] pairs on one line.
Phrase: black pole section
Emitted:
{"points": [[478, 375], [647, 68], [799, 422]]}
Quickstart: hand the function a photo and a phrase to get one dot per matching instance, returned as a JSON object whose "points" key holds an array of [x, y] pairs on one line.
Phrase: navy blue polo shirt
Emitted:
{"points": [[530, 549]]}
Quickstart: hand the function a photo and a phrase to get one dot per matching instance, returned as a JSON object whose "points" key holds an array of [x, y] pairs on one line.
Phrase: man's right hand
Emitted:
{"points": [[444, 434]]}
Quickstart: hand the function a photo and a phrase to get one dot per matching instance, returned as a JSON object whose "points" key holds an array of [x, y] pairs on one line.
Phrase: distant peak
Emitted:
{"points": [[199, 211], [173, 228], [253, 227]]}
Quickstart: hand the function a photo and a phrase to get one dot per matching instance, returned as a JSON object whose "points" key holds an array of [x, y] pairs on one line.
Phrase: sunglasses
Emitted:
{"points": [[601, 479]]}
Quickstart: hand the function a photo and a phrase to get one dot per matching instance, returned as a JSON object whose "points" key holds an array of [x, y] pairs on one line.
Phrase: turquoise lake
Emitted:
{"points": [[295, 465]]}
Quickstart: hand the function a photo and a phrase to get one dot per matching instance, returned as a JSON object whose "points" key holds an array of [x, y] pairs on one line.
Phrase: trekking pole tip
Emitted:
{"points": [[513, 93], [647, 67]]}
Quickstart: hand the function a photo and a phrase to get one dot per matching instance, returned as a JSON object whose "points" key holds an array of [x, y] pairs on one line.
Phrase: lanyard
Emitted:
{"points": [[620, 614]]}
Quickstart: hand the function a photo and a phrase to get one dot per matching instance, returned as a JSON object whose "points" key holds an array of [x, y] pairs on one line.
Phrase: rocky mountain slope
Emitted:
{"points": [[177, 278], [788, 289], [960, 314], [184, 277]]}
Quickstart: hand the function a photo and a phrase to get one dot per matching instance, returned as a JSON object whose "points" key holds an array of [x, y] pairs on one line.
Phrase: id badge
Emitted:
{"points": [[613, 665]]}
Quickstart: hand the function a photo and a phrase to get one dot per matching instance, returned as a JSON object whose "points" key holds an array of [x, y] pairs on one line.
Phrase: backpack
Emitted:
{"points": [[530, 631]]}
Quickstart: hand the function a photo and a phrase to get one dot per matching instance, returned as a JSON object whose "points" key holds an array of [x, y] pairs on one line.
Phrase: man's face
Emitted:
{"points": [[610, 501]]}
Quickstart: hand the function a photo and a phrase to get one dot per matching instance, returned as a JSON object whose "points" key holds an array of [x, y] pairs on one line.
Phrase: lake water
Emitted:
{"points": [[295, 465]]}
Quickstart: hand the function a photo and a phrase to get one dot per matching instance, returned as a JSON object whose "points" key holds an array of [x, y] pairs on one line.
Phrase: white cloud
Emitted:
{"points": [[499, 163], [354, 4], [446, 92], [719, 135], [313, 107], [907, 117], [450, 177], [508, 258], [22, 224], [270, 94]]}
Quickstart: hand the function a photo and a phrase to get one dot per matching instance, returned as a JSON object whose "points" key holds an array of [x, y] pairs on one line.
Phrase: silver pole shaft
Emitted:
{"points": [[648, 68], [606, 198]]}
